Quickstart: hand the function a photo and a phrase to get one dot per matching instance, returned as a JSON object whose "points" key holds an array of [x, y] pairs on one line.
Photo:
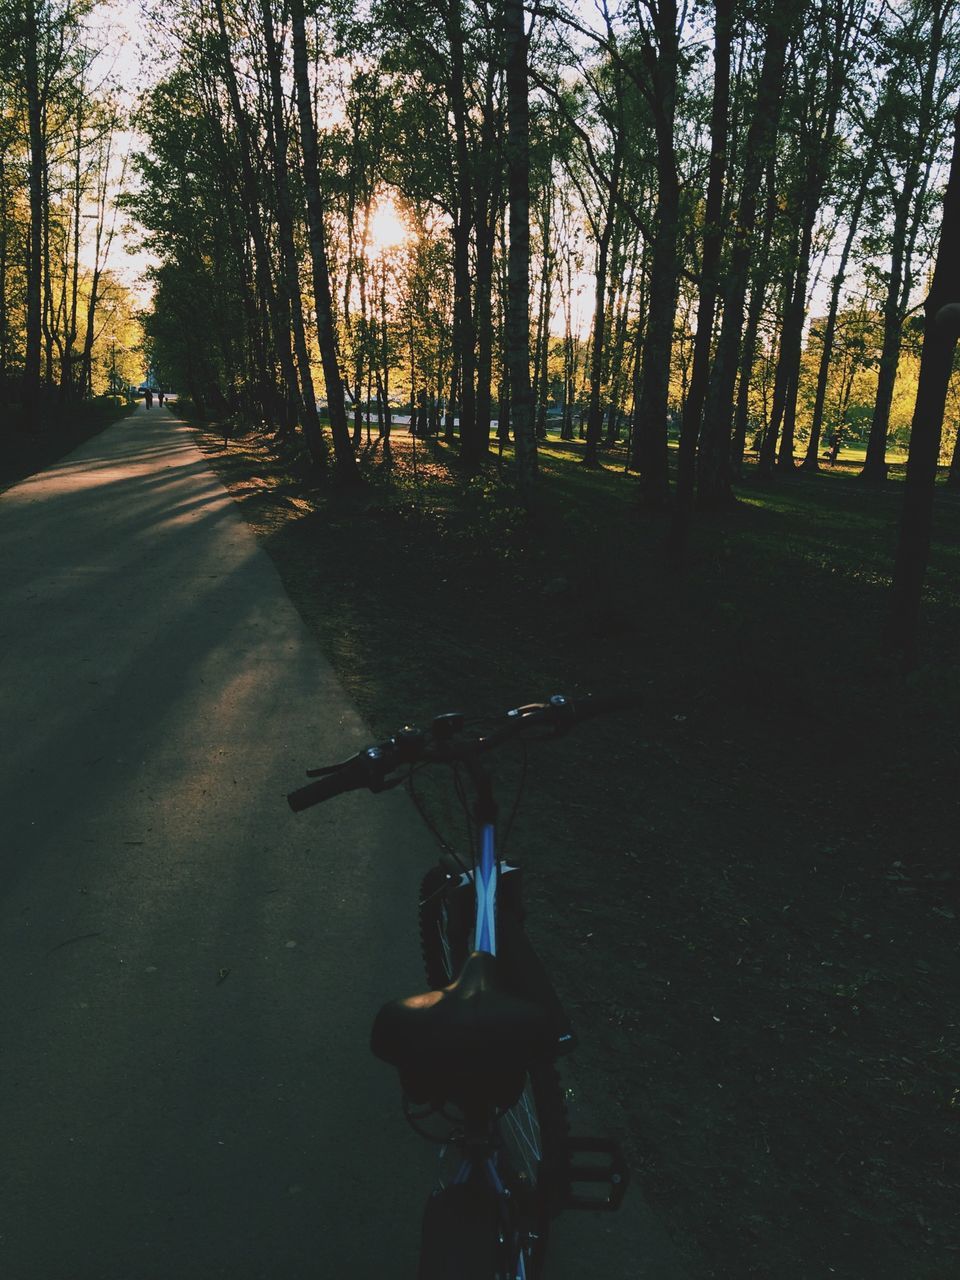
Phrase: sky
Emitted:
{"points": [[119, 34]]}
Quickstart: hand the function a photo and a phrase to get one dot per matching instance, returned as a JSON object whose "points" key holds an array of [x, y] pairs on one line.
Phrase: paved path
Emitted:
{"points": [[188, 971]]}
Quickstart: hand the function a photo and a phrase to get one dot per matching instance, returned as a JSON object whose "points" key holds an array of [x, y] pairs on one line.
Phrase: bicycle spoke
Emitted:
{"points": [[524, 1129]]}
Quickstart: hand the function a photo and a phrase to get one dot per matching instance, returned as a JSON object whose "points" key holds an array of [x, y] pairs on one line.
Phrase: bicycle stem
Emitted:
{"points": [[485, 807], [486, 871]]}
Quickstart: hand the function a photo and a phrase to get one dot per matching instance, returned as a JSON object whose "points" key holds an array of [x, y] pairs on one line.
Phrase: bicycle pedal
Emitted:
{"points": [[597, 1172]]}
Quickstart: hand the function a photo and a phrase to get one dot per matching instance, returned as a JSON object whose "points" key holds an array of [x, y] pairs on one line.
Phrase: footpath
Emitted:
{"points": [[190, 971]]}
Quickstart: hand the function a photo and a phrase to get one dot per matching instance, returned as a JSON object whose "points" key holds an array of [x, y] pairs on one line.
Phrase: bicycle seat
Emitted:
{"points": [[469, 1040]]}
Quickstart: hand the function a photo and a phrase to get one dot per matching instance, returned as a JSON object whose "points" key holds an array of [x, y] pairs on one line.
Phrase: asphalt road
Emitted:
{"points": [[189, 971]]}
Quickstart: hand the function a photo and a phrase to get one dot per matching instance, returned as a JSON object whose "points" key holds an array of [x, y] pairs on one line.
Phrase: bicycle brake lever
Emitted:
{"points": [[327, 769]]}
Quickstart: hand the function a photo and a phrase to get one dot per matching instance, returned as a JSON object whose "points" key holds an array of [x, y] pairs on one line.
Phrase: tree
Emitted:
{"points": [[913, 119], [823, 80], [278, 138], [323, 301], [942, 313], [44, 57], [712, 243], [828, 330], [655, 76], [518, 305], [713, 463], [599, 162]]}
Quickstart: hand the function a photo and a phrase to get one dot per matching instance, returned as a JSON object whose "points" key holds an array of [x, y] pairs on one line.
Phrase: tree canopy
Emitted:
{"points": [[707, 228]]}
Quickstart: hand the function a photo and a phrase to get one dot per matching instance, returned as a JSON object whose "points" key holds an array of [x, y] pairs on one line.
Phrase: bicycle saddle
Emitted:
{"points": [[471, 1039]]}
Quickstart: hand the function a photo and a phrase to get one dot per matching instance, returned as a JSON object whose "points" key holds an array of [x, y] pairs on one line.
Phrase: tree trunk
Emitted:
{"points": [[462, 228], [875, 462], [542, 343], [566, 425], [650, 410], [915, 183], [782, 371], [621, 364], [758, 295], [713, 469], [518, 291], [489, 199], [311, 423], [38, 160], [812, 460], [103, 196], [346, 462], [277, 301], [595, 409], [817, 132], [4, 318], [792, 342], [449, 424], [942, 311], [486, 237], [710, 264], [384, 375], [49, 322], [67, 359]]}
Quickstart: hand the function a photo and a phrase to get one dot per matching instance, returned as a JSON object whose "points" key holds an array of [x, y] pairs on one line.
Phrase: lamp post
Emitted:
{"points": [[113, 365]]}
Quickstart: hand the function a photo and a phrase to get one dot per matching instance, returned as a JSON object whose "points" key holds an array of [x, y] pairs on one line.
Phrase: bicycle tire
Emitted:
{"points": [[460, 1236], [443, 953], [535, 1130]]}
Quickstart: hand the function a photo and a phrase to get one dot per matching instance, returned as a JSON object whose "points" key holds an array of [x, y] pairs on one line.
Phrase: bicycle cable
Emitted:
{"points": [[508, 825], [428, 822], [465, 806], [461, 795], [415, 1120]]}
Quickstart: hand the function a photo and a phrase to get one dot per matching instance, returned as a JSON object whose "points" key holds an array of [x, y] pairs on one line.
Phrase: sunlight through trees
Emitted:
{"points": [[698, 233]]}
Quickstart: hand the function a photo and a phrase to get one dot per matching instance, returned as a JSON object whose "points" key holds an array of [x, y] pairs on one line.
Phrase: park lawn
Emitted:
{"points": [[748, 892]]}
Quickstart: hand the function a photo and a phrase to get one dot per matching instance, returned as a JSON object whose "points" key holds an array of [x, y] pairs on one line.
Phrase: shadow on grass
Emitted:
{"points": [[22, 453], [747, 893]]}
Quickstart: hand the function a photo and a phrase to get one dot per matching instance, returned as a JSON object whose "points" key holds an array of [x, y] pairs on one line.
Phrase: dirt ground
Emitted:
{"points": [[748, 893]]}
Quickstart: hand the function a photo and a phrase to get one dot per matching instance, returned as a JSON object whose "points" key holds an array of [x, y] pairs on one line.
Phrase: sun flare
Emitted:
{"points": [[387, 228]]}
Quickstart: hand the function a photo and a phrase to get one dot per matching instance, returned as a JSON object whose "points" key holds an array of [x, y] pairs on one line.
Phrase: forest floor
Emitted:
{"points": [[24, 452], [748, 893]]}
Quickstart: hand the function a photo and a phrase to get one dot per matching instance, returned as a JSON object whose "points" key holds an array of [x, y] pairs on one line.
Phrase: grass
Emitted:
{"points": [[748, 894], [24, 452]]}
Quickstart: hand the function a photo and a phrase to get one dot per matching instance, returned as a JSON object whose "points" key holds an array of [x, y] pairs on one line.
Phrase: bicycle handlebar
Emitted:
{"points": [[371, 767]]}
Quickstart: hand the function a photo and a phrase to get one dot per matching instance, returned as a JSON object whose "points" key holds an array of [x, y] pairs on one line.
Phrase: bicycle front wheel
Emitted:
{"points": [[533, 1162]]}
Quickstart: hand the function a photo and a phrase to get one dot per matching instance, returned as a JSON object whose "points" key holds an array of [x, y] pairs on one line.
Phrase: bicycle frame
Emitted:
{"points": [[480, 1156], [485, 877], [487, 874], [482, 1161], [486, 870]]}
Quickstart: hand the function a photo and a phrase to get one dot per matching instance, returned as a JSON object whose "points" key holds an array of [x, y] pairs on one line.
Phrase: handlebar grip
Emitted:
{"points": [[323, 789]]}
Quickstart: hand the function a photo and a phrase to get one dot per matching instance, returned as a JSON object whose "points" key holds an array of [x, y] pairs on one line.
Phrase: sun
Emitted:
{"points": [[387, 228]]}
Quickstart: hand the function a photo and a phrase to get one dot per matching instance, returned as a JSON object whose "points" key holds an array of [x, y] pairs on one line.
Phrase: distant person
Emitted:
{"points": [[148, 397], [160, 398]]}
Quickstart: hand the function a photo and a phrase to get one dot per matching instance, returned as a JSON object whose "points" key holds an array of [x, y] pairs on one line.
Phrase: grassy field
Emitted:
{"points": [[855, 454], [748, 892]]}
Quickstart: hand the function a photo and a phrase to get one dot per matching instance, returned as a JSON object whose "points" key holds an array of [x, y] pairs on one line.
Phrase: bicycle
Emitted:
{"points": [[477, 1053]]}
